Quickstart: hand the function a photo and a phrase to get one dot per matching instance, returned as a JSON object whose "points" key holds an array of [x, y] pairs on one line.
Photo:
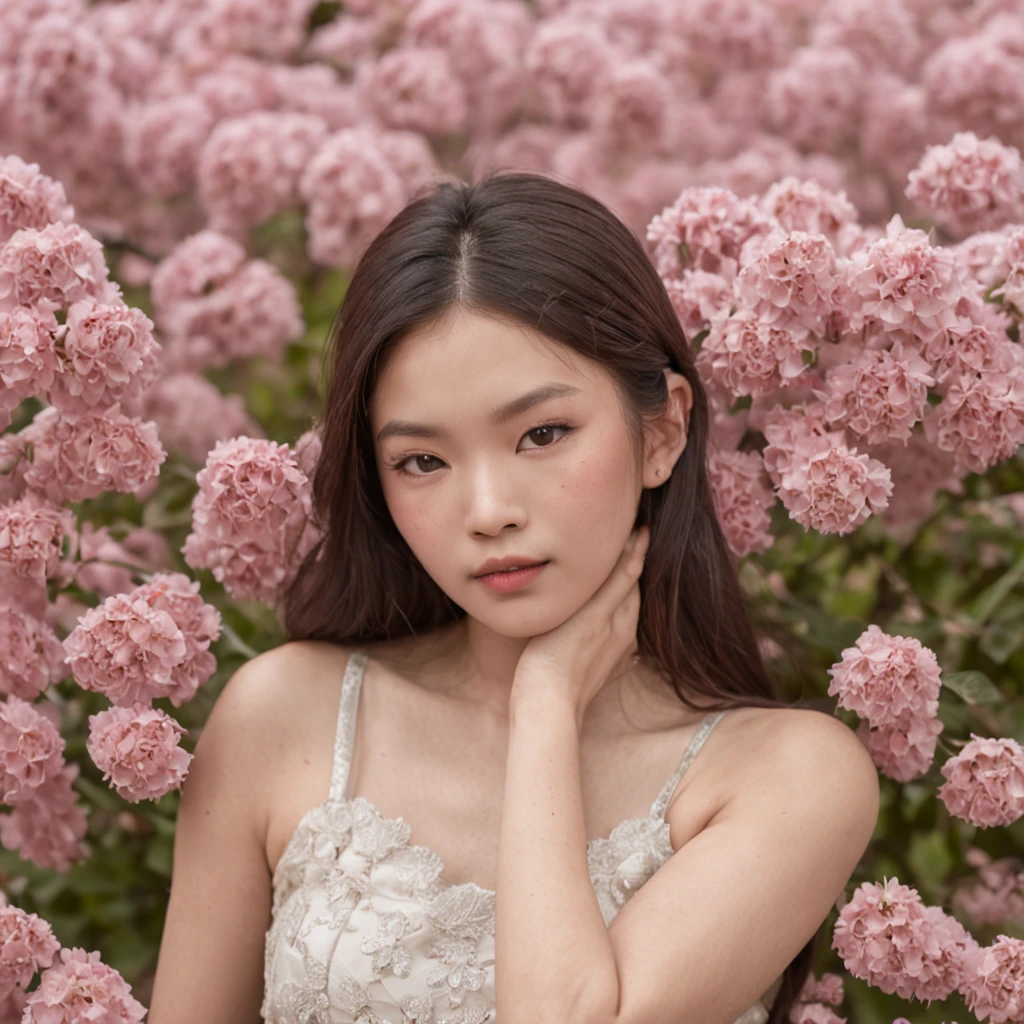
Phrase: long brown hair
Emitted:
{"points": [[530, 250]]}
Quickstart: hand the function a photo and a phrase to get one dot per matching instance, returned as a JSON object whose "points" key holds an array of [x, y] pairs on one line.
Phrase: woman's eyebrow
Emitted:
{"points": [[504, 413]]}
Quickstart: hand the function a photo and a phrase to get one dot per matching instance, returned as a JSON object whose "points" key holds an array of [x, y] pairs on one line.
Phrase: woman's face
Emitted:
{"points": [[555, 481]]}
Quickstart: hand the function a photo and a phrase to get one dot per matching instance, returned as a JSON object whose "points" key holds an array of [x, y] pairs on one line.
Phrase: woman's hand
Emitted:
{"points": [[574, 660]]}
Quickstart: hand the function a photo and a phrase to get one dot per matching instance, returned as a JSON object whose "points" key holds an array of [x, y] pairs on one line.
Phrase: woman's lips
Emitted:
{"points": [[508, 580]]}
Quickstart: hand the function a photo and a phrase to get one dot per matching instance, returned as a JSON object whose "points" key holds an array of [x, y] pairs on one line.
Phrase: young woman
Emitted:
{"points": [[467, 789]]}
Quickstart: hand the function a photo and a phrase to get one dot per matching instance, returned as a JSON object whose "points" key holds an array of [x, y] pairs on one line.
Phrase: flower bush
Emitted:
{"points": [[832, 194]]}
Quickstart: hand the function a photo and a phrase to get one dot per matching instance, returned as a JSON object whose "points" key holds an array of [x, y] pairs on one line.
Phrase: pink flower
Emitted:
{"points": [[27, 945], [29, 198], [251, 520], [127, 650], [80, 989], [567, 59], [905, 749], [1008, 264], [747, 356], [414, 88], [882, 33], [200, 625], [253, 313], [52, 267], [985, 782], [969, 185], [137, 749], [162, 142], [885, 677], [80, 457], [32, 535], [192, 415], [880, 395], [631, 108], [47, 828], [699, 298], [352, 192], [250, 166], [110, 356], [993, 985], [980, 420], [195, 265], [31, 656], [28, 358], [736, 34], [888, 938], [307, 451], [145, 548], [742, 497], [705, 229], [835, 490], [966, 349], [807, 206], [794, 435], [903, 281], [272, 30], [815, 99], [995, 895], [31, 749], [792, 282]]}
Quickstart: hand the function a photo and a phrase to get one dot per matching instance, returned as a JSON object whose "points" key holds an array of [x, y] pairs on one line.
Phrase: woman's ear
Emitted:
{"points": [[666, 435]]}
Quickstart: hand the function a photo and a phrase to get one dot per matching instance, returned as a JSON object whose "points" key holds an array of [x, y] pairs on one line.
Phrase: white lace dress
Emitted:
{"points": [[366, 930]]}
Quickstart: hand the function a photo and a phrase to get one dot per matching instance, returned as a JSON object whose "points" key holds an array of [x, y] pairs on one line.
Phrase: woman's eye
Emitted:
{"points": [[420, 465]]}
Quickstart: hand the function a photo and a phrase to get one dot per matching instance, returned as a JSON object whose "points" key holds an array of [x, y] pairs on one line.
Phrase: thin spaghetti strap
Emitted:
{"points": [[708, 723], [345, 733]]}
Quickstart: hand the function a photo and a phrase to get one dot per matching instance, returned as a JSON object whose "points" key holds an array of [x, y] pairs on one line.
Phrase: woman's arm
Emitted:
{"points": [[210, 969]]}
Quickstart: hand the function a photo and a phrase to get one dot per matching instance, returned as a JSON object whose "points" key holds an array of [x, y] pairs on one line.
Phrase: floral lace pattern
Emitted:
{"points": [[365, 929]]}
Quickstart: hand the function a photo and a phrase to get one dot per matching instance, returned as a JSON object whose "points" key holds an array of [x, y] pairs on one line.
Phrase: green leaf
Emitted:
{"points": [[974, 687], [986, 603], [929, 858], [1000, 640]]}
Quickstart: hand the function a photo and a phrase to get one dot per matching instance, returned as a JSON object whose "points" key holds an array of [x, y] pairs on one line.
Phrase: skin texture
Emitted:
{"points": [[508, 781]]}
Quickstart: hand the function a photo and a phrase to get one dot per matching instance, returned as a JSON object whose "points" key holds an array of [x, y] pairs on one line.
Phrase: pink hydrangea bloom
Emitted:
{"points": [[993, 985], [200, 625], [250, 166], [307, 451], [794, 435], [195, 265], [879, 395], [980, 420], [254, 313], [567, 59], [52, 267], [631, 109], [815, 1013], [826, 989], [251, 519], [882, 33], [985, 782], [352, 192], [807, 206], [145, 548], [110, 356], [888, 938], [316, 89], [80, 988], [905, 749], [815, 100], [995, 895], [742, 496], [414, 88], [27, 945], [137, 750], [905, 282], [835, 490], [192, 415], [1008, 264], [970, 184], [919, 471], [792, 282], [705, 229], [162, 143], [747, 356], [968, 348], [31, 656], [273, 30], [735, 34], [411, 158], [32, 536], [31, 749], [47, 828], [884, 677], [28, 357], [79, 457], [699, 298], [127, 650], [984, 254], [29, 198]]}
